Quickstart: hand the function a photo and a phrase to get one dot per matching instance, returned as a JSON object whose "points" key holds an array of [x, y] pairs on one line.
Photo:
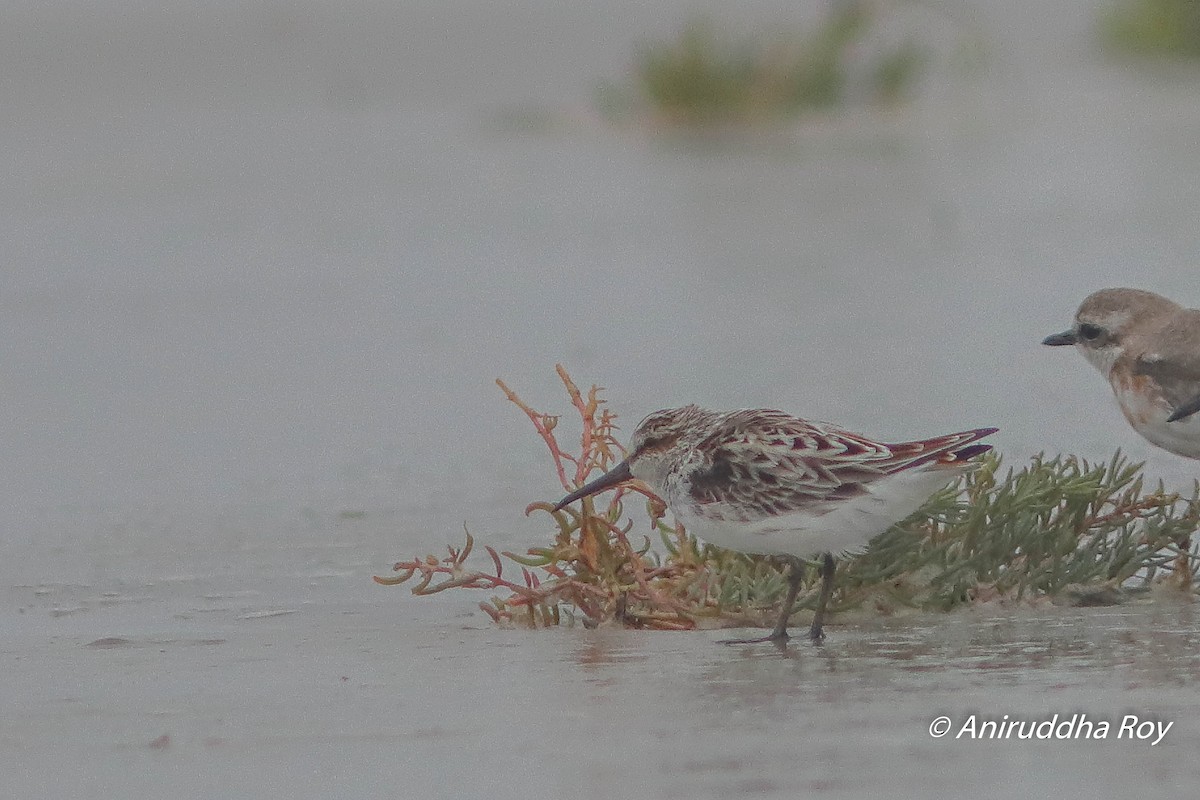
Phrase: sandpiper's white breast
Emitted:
{"points": [[832, 526]]}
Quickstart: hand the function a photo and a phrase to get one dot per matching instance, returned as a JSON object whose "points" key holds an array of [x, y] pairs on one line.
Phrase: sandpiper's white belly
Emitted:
{"points": [[839, 526]]}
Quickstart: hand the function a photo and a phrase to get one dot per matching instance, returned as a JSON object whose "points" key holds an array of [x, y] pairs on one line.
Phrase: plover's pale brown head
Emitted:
{"points": [[1108, 319]]}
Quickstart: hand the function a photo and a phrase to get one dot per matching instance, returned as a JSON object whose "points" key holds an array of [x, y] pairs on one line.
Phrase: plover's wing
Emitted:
{"points": [[1185, 410], [771, 463], [1174, 364]]}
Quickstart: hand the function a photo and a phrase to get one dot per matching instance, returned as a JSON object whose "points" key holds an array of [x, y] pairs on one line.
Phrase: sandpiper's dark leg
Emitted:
{"points": [[779, 633], [828, 567], [795, 576]]}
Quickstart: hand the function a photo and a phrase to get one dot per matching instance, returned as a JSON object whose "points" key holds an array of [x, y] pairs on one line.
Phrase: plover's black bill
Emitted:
{"points": [[1060, 339]]}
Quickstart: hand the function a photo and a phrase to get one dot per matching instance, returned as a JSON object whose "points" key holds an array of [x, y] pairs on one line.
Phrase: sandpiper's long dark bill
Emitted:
{"points": [[617, 475], [762, 481], [1148, 348]]}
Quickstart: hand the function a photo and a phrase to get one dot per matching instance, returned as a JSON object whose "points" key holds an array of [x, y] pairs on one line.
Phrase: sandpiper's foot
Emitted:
{"points": [[775, 637], [779, 634]]}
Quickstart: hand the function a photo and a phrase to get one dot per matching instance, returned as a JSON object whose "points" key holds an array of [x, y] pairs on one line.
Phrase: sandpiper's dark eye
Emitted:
{"points": [[1090, 332]]}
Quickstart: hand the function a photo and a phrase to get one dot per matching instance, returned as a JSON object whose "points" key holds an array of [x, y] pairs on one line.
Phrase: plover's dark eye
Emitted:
{"points": [[1090, 332]]}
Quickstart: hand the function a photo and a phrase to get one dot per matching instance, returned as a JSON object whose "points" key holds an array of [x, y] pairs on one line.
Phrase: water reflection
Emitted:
{"points": [[1128, 647]]}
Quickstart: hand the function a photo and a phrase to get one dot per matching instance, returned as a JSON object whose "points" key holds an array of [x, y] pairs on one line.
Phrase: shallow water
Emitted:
{"points": [[313, 688], [263, 261]]}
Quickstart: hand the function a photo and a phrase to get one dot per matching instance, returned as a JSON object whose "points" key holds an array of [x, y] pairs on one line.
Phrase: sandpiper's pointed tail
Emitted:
{"points": [[970, 451], [950, 450]]}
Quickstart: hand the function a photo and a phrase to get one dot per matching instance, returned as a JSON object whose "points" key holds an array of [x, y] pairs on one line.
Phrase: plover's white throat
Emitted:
{"points": [[762, 481], [1148, 348]]}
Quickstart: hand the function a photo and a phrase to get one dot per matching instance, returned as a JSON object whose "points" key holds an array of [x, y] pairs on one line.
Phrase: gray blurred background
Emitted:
{"points": [[262, 261]]}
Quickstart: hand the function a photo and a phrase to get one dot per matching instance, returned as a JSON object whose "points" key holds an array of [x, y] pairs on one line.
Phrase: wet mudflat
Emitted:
{"points": [[296, 688]]}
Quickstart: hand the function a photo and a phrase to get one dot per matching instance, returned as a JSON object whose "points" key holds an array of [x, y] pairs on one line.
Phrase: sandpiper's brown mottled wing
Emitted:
{"points": [[776, 464], [1174, 364]]}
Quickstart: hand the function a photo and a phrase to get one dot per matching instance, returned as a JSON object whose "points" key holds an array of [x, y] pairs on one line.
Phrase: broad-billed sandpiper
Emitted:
{"points": [[762, 481]]}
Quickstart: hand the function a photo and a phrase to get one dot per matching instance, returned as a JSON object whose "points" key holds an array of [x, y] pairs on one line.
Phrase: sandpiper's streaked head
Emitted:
{"points": [[659, 439], [1148, 348], [651, 452]]}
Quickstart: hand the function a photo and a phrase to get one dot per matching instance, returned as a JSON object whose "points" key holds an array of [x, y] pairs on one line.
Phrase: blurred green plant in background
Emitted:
{"points": [[1059, 529], [1155, 27], [707, 76]]}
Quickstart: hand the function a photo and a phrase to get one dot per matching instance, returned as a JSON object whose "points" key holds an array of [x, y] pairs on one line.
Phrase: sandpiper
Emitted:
{"points": [[762, 481], [1148, 348]]}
